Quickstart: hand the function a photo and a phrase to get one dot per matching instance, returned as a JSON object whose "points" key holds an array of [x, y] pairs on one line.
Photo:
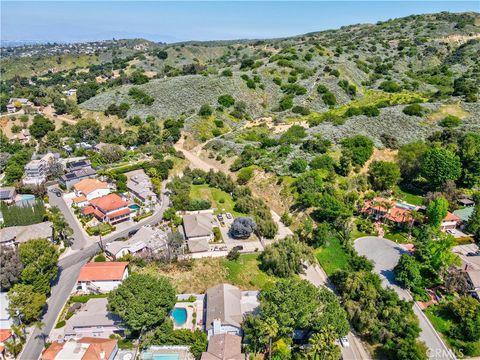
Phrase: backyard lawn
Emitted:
{"points": [[220, 199], [245, 273], [409, 197], [332, 257]]}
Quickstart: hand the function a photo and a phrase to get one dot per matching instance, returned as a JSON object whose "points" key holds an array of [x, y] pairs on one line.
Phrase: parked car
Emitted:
{"points": [[238, 247], [220, 217], [344, 341], [132, 232], [228, 215]]}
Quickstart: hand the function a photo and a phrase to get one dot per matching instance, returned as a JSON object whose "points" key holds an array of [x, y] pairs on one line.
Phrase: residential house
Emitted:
{"points": [[70, 92], [93, 320], [77, 171], [473, 279], [14, 235], [224, 347], [6, 320], [140, 185], [7, 194], [86, 348], [198, 230], [110, 208], [466, 202], [91, 188], [5, 335], [396, 212], [101, 277], [377, 208], [226, 307], [15, 104], [464, 215], [23, 136], [147, 240], [37, 171], [84, 145], [450, 222]]}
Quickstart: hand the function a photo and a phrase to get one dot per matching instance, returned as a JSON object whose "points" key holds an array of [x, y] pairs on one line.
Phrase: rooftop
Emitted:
{"points": [[7, 193], [465, 213], [145, 237], [224, 347], [109, 202], [86, 186], [87, 348], [28, 232], [102, 271], [197, 225], [224, 304]]}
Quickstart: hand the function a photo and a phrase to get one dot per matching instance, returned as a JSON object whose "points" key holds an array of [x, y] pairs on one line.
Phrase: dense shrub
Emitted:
{"points": [[414, 110]]}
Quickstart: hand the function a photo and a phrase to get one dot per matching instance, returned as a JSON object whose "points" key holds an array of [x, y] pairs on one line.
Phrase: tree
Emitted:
{"points": [[162, 54], [205, 110], [410, 158], [469, 152], [329, 98], [407, 272], [86, 130], [473, 224], [414, 110], [39, 258], [436, 211], [383, 174], [112, 153], [466, 312], [390, 86], [242, 227], [323, 344], [298, 166], [142, 301], [456, 281], [25, 304], [41, 126], [86, 91], [226, 100], [440, 165], [285, 257], [61, 228], [254, 333], [11, 267], [361, 148]]}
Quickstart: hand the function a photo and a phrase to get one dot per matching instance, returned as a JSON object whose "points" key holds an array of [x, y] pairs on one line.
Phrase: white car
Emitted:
{"points": [[344, 341]]}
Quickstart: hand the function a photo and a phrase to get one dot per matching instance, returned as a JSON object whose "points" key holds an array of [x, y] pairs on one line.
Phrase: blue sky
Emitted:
{"points": [[72, 21]]}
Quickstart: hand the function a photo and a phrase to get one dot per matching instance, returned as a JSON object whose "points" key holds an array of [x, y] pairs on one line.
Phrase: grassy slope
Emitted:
{"points": [[215, 196]]}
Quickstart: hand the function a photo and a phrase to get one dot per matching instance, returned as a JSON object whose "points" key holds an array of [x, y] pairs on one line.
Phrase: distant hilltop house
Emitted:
{"points": [[140, 185], [147, 240], [101, 277], [37, 171], [110, 209], [77, 171], [86, 348], [93, 320], [198, 230], [226, 307], [88, 189], [15, 104], [23, 136], [224, 347], [70, 92], [14, 235]]}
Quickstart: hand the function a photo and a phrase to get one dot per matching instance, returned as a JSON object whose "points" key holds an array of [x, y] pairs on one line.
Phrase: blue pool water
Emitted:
{"points": [[27, 197], [166, 357], [134, 207], [179, 316]]}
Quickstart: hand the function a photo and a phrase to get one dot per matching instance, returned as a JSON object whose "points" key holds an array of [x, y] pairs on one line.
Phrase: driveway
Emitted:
{"points": [[385, 255]]}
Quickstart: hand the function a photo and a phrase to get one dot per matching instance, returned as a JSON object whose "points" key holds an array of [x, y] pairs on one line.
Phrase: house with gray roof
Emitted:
{"points": [[140, 186], [226, 307], [224, 347], [7, 193], [14, 235], [198, 231], [147, 239], [93, 320]]}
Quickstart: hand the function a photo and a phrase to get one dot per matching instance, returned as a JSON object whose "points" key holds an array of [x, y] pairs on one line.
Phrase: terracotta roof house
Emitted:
{"points": [[198, 230], [102, 276], [110, 208], [224, 347], [380, 208], [450, 222], [5, 335], [147, 240], [400, 216], [86, 348], [80, 201], [91, 188]]}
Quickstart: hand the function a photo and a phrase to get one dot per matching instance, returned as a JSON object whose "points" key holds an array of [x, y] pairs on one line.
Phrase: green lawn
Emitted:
{"points": [[409, 197], [220, 199], [332, 257], [245, 273], [397, 235], [442, 322]]}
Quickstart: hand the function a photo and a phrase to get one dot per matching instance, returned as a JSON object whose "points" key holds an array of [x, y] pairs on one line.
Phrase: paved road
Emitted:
{"points": [[356, 351], [69, 269], [385, 255]]}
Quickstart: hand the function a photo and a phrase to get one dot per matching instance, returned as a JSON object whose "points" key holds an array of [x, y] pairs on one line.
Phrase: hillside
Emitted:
{"points": [[418, 57]]}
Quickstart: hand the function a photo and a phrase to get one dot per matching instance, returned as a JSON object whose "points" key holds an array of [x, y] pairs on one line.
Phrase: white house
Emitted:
{"points": [[36, 171], [91, 188], [101, 277]]}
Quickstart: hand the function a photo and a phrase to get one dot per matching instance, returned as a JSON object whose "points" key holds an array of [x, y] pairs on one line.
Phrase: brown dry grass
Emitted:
{"points": [[264, 185], [448, 109], [380, 155]]}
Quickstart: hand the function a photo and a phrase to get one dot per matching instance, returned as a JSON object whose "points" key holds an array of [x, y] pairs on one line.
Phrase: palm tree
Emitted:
{"points": [[322, 344], [270, 329], [61, 228]]}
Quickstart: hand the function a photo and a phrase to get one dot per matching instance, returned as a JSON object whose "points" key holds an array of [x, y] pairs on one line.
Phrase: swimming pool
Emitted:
{"points": [[26, 197], [134, 207], [166, 357], [179, 316]]}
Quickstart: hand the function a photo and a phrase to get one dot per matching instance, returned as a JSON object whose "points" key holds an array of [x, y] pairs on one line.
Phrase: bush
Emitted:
{"points": [[300, 110], [226, 100], [329, 99], [450, 121], [286, 103], [390, 86], [233, 254], [140, 96], [414, 110], [205, 110], [227, 73], [100, 258], [244, 175]]}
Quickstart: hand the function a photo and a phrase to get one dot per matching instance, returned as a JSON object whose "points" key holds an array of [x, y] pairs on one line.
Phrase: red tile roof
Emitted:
{"points": [[399, 215], [451, 217], [5, 334], [79, 199], [97, 345], [86, 186], [51, 352], [88, 210], [103, 271], [118, 213], [108, 202]]}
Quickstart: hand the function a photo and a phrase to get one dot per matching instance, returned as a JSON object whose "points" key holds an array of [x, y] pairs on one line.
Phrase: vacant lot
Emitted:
{"points": [[222, 201], [332, 257]]}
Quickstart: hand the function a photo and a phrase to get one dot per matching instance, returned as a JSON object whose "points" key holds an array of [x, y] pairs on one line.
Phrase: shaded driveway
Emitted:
{"points": [[385, 255]]}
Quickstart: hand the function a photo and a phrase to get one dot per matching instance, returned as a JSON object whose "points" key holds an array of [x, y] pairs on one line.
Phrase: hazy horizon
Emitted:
{"points": [[73, 21]]}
